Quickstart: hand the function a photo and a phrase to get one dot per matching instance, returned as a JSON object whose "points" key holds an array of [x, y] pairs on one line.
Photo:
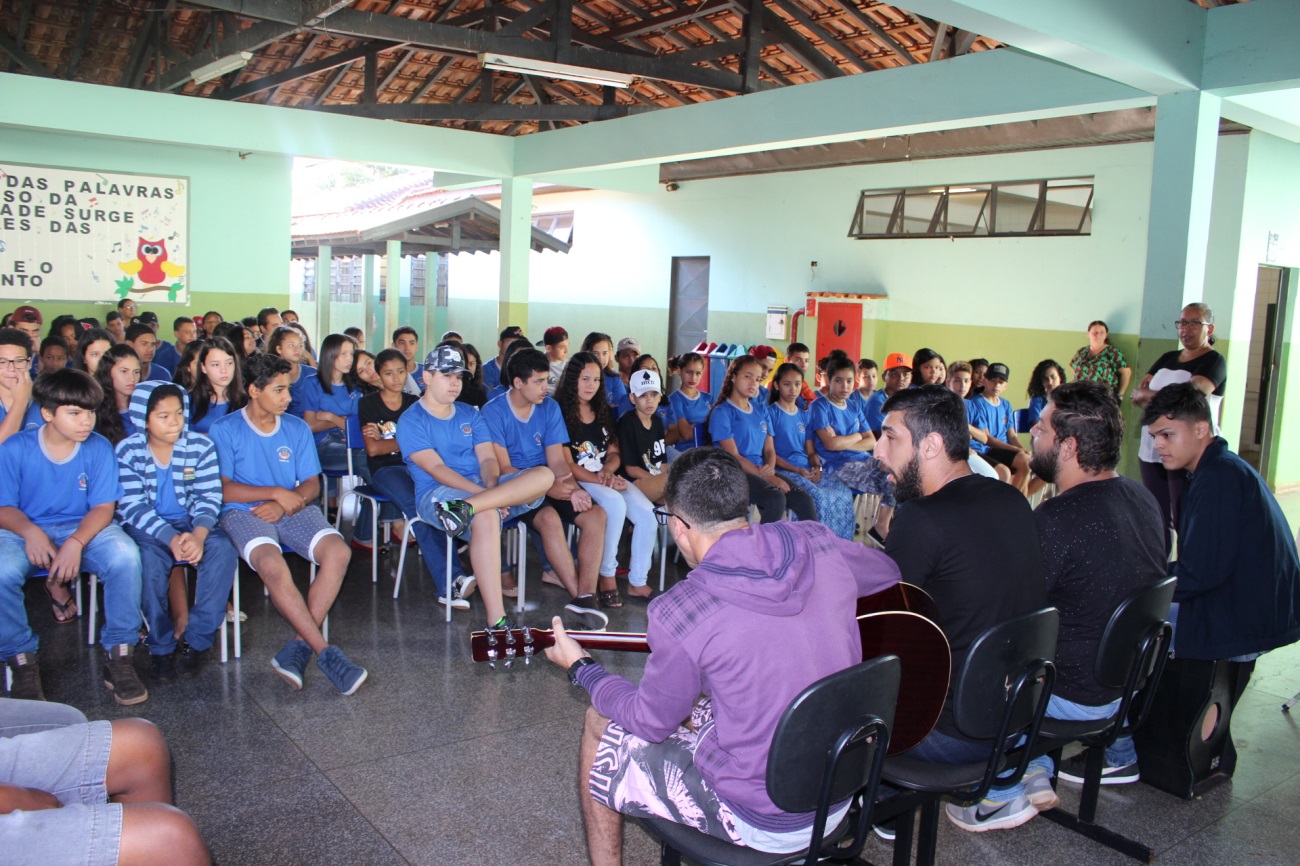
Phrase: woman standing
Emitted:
{"points": [[1195, 362], [1099, 361]]}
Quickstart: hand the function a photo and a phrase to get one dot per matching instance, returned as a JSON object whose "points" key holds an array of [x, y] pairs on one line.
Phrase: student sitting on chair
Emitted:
{"points": [[327, 400], [18, 411], [269, 474], [58, 486], [218, 386], [170, 506], [797, 461], [448, 448], [690, 404], [288, 344]]}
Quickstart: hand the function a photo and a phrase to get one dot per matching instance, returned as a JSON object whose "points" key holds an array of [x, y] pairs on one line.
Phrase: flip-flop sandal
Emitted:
{"points": [[58, 608], [643, 599], [610, 598]]}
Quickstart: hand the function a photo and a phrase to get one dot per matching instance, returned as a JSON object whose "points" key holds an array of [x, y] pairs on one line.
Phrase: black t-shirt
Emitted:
{"points": [[473, 394], [1211, 365], [642, 448], [976, 584], [588, 444], [1102, 541], [371, 409]]}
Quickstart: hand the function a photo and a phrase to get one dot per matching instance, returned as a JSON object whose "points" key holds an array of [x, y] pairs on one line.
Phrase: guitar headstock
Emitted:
{"points": [[508, 645]]}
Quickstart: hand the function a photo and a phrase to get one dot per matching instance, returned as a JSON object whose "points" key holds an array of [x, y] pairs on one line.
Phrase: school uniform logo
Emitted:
{"points": [[763, 426], [537, 437], [187, 474], [284, 453], [800, 426], [83, 482], [467, 428]]}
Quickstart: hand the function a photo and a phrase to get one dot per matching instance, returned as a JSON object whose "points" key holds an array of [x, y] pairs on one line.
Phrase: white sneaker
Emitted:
{"points": [[466, 586], [456, 601]]}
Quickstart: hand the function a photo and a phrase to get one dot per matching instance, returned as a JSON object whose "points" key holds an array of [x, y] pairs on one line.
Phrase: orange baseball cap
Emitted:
{"points": [[894, 360]]}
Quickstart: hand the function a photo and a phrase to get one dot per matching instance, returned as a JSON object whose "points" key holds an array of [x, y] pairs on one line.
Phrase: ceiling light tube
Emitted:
{"points": [[224, 66], [546, 69]]}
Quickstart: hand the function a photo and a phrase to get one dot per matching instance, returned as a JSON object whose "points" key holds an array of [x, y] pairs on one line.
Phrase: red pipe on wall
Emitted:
{"points": [[794, 326]]}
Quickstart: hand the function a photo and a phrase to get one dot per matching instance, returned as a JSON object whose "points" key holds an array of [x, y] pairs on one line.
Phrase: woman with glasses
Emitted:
{"points": [[1195, 362]]}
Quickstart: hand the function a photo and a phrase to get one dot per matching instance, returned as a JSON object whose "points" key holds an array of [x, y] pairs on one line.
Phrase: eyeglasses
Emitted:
{"points": [[1188, 323], [662, 516], [15, 363]]}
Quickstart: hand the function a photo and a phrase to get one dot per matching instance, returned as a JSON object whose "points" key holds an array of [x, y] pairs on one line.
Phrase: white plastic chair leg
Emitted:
{"points": [[521, 556]]}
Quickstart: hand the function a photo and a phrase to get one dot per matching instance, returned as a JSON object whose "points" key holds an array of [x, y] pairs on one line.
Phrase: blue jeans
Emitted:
{"points": [[630, 504], [216, 575], [395, 483], [111, 554], [1118, 755]]}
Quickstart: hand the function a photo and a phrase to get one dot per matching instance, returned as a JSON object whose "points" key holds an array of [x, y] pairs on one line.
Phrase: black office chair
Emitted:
{"points": [[828, 747], [1000, 696], [1130, 656]]}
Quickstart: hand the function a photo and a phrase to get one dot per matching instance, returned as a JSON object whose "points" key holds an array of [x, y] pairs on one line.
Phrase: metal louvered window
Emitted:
{"points": [[1024, 208]]}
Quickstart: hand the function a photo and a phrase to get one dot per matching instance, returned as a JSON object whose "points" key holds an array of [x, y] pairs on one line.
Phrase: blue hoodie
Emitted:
{"points": [[194, 472]]}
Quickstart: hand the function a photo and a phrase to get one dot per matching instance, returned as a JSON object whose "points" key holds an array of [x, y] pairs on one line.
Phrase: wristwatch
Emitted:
{"points": [[580, 663]]}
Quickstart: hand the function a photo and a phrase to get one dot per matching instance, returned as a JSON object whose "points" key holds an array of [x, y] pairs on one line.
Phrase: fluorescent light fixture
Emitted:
{"points": [[563, 71], [225, 65]]}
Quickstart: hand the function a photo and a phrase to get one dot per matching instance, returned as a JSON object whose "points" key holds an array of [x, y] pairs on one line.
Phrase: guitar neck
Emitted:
{"points": [[612, 640]]}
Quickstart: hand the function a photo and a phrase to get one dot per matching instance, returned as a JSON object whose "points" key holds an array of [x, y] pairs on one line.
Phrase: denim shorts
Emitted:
{"points": [[442, 493], [300, 532], [71, 763]]}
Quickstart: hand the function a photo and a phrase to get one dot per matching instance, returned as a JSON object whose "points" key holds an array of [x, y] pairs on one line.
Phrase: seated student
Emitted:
{"points": [[379, 414], [495, 367], [169, 354], [364, 372], [1043, 381], [115, 325], [516, 345], [240, 337], [959, 376], [594, 459], [978, 366], [602, 347], [287, 343], [448, 448], [642, 446], [90, 347], [18, 411], [801, 356], [898, 377], [407, 341], [766, 356], [556, 341], [187, 368], [690, 405], [797, 461], [54, 354], [170, 504], [218, 385], [328, 399], [269, 472], [142, 339], [475, 391], [267, 322], [65, 327], [928, 368], [990, 413], [665, 411], [356, 334], [210, 321], [738, 425], [867, 380], [73, 791], [844, 442], [58, 486], [308, 353], [627, 351], [527, 429], [118, 374]]}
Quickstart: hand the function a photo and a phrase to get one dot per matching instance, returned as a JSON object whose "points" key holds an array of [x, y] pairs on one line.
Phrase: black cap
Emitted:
{"points": [[998, 371], [511, 331], [147, 318]]}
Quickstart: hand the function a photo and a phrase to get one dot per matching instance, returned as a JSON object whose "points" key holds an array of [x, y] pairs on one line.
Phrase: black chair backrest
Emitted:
{"points": [[848, 706], [1001, 682], [1141, 614]]}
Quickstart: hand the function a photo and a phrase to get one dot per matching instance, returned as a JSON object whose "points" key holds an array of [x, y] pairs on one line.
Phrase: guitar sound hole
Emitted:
{"points": [[1210, 722]]}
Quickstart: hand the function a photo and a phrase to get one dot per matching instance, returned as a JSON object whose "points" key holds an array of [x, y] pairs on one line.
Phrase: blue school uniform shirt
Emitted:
{"points": [[31, 418], [748, 429], [296, 388], [1036, 407], [526, 441], [216, 411], [167, 356], [157, 373], [496, 392], [871, 414], [790, 431], [167, 505], [127, 424], [844, 421], [615, 390], [694, 411], [340, 401], [50, 492], [492, 374], [984, 415], [285, 457], [453, 438]]}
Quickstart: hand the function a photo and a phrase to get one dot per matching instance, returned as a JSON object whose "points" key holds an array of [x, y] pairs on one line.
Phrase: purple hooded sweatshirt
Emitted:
{"points": [[769, 611]]}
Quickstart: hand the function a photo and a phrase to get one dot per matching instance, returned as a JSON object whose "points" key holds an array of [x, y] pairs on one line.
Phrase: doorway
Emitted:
{"points": [[688, 304], [1259, 403]]}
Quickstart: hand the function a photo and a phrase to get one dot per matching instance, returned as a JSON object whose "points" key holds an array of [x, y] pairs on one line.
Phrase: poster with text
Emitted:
{"points": [[71, 235]]}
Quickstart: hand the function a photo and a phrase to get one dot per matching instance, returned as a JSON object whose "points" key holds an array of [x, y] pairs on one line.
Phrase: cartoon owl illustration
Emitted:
{"points": [[150, 264]]}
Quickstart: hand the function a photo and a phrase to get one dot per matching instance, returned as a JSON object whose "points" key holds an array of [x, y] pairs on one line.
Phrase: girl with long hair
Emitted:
{"points": [[188, 366], [218, 385], [797, 461], [593, 457], [364, 372], [474, 391], [287, 343], [118, 373], [690, 405], [602, 346], [91, 346], [1042, 382], [739, 426]]}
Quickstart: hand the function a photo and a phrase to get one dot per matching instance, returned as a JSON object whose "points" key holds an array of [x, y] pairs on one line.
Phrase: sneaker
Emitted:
{"points": [[230, 616], [453, 516], [120, 677], [466, 585], [1039, 790], [886, 830], [1073, 770], [346, 676], [26, 683], [162, 669], [503, 624], [984, 815], [456, 601], [587, 613], [291, 662], [188, 660]]}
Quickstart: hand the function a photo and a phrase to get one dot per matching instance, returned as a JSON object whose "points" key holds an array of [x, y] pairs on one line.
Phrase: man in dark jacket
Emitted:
{"points": [[1238, 574]]}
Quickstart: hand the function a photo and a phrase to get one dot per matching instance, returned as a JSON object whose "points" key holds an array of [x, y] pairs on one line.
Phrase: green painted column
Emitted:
{"points": [[369, 298], [1182, 189], [393, 289], [516, 245], [324, 257]]}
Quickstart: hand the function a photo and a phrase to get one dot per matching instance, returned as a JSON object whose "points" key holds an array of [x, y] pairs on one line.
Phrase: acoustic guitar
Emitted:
{"points": [[895, 621]]}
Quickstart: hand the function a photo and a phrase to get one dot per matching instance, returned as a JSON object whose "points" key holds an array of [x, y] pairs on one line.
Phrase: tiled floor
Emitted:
{"points": [[437, 760]]}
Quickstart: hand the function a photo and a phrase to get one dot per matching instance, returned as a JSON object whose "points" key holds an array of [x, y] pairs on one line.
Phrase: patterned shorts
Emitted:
{"points": [[659, 780]]}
